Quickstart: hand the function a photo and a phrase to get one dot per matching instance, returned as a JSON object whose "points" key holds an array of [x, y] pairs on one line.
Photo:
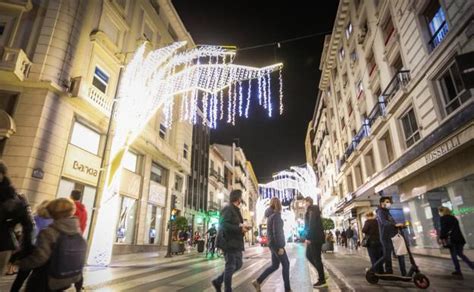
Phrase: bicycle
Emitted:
{"points": [[211, 246]]}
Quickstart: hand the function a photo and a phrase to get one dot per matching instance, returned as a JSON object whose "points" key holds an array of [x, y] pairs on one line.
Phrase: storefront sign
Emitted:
{"points": [[157, 194], [81, 165], [130, 184], [442, 149]]}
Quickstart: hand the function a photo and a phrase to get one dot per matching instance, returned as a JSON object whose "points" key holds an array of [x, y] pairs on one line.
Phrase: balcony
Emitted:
{"points": [[100, 100], [439, 35], [14, 65], [378, 111], [363, 132], [398, 82]]}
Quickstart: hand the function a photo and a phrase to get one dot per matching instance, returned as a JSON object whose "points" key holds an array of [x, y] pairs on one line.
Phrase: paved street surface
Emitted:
{"points": [[192, 272]]}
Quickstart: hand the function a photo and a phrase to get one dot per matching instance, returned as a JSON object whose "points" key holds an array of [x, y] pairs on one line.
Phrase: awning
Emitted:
{"points": [[7, 125]]}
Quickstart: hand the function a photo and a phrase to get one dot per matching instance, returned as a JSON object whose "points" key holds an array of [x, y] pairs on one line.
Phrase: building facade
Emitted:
{"points": [[59, 70], [396, 108]]}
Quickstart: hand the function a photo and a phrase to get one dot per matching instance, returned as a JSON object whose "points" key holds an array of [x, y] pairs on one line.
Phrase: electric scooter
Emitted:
{"points": [[420, 280]]}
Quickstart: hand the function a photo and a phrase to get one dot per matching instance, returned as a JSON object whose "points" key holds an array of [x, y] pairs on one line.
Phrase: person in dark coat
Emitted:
{"points": [[374, 247], [230, 239], [276, 243], [350, 237], [314, 239], [450, 229], [338, 235], [344, 238], [388, 229], [14, 209]]}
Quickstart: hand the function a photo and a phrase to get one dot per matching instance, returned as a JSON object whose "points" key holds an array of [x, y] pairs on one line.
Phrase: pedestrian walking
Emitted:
{"points": [[350, 237], [451, 237], [344, 238], [58, 258], [387, 229], [81, 214], [372, 240], [338, 235], [276, 243], [42, 220], [230, 239], [314, 240], [14, 209]]}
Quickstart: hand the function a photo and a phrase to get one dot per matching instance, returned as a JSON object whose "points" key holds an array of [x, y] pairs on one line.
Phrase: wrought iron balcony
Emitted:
{"points": [[377, 111], [400, 80]]}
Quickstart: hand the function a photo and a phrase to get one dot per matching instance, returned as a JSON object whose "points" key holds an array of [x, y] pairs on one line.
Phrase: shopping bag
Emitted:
{"points": [[399, 245]]}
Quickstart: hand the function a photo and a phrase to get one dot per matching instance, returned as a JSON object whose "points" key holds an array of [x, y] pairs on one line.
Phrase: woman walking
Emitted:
{"points": [[372, 240], [452, 238], [276, 243]]}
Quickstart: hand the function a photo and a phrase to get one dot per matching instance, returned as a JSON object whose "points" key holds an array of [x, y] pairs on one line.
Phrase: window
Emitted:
{"points": [[348, 30], [452, 87], [436, 22], [178, 183], [371, 64], [148, 32], [185, 151], [154, 219], [360, 89], [126, 223], [345, 80], [212, 165], [3, 25], [85, 138], [172, 33], [410, 128], [100, 80], [163, 131], [388, 30], [130, 161], [122, 3], [349, 108], [370, 163], [350, 183], [386, 148], [354, 56], [341, 54], [158, 174]]}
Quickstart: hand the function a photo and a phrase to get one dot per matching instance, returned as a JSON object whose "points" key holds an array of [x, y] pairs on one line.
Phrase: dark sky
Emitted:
{"points": [[271, 144]]}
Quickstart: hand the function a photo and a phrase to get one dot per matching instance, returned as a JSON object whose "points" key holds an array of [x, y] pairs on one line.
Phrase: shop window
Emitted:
{"points": [[348, 31], [88, 197], [452, 88], [130, 161], [185, 151], [410, 128], [163, 131], [178, 183], [100, 80], [126, 224], [436, 22], [154, 221], [85, 138], [158, 174]]}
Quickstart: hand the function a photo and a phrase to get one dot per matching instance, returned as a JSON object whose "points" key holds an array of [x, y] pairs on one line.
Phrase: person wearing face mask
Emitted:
{"points": [[230, 238], [387, 229]]}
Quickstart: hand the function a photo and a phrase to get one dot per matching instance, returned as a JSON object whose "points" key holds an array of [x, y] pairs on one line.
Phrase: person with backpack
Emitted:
{"points": [[42, 220], [59, 256], [276, 242], [14, 209]]}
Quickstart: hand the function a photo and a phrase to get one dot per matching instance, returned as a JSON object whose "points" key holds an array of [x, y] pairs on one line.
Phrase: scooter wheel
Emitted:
{"points": [[371, 277], [421, 281]]}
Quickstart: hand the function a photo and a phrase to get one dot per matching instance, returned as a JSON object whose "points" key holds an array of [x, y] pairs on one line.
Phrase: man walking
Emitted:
{"points": [[230, 239], [350, 237], [314, 240], [338, 235], [81, 214]]}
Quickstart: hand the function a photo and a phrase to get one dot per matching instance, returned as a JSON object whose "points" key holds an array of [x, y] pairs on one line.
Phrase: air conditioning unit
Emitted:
{"points": [[75, 84]]}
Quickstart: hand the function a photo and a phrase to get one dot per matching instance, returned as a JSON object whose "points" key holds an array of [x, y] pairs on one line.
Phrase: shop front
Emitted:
{"points": [[442, 176], [154, 232]]}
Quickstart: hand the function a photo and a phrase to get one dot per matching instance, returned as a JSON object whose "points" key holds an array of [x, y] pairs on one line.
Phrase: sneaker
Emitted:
{"points": [[320, 284], [216, 285], [257, 286]]}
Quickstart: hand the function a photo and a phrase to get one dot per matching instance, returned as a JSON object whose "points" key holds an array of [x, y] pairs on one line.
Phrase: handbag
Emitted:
{"points": [[448, 241], [399, 245], [365, 241]]}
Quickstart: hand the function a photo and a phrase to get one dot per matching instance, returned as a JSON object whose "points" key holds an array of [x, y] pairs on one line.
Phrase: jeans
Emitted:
{"points": [[313, 254], [276, 260], [457, 250], [353, 243], [387, 247], [375, 253], [233, 262]]}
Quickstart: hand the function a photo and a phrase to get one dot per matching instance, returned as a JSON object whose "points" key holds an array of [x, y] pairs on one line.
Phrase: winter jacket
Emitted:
{"points": [[232, 236], [81, 214], [14, 210], [41, 223], [450, 227], [349, 233], [38, 260], [371, 231], [314, 225], [275, 233], [387, 224]]}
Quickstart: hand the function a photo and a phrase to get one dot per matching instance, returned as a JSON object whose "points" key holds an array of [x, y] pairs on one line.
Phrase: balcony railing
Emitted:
{"points": [[376, 112], [100, 100], [363, 132], [439, 35], [398, 81], [15, 60]]}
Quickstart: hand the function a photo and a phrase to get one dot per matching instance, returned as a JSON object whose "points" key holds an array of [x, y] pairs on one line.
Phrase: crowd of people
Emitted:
{"points": [[46, 249]]}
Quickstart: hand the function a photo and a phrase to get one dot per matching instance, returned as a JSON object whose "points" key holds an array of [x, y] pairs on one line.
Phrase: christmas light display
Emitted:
{"points": [[151, 82], [285, 183]]}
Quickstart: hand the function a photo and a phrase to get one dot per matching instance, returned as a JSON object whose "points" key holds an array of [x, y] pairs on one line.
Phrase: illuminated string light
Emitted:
{"points": [[269, 92], [229, 104], [240, 98], [249, 94], [281, 90], [259, 88], [264, 89], [149, 83], [221, 102]]}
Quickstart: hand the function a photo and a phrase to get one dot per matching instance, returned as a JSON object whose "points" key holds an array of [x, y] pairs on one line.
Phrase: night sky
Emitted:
{"points": [[271, 144]]}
